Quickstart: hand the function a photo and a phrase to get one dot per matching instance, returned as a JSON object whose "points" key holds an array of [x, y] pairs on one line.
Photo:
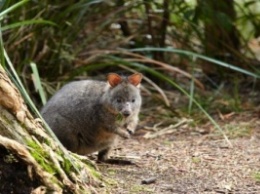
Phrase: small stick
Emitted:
{"points": [[149, 180]]}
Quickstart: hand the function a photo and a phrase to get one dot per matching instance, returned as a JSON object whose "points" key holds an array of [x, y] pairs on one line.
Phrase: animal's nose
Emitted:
{"points": [[126, 113]]}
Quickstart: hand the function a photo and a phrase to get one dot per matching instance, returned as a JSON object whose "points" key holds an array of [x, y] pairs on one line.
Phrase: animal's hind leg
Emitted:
{"points": [[103, 157], [103, 154]]}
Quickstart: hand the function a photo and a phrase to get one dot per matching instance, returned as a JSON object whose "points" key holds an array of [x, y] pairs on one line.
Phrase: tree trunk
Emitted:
{"points": [[58, 170], [221, 36]]}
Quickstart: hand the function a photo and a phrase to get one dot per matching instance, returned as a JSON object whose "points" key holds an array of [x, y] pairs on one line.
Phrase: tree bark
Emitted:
{"points": [[57, 169]]}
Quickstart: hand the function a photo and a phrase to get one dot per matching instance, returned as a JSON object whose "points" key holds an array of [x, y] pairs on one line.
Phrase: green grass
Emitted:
{"points": [[238, 130], [256, 176], [140, 188]]}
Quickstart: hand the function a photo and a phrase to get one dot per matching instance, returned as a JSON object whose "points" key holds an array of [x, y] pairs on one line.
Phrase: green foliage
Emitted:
{"points": [[41, 157], [59, 35], [37, 82], [119, 117], [67, 166], [256, 176], [57, 32], [233, 130]]}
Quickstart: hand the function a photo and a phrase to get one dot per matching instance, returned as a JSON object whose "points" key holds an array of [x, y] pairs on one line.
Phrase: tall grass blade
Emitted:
{"points": [[25, 23], [37, 82], [2, 57], [192, 54], [13, 7], [192, 86]]}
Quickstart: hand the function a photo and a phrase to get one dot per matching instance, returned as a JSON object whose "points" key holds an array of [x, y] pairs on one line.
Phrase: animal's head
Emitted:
{"points": [[124, 94]]}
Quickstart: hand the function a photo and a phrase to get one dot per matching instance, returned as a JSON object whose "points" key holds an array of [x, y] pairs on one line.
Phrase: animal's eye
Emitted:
{"points": [[133, 100]]}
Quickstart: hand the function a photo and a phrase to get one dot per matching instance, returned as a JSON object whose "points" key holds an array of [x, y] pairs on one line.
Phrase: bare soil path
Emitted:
{"points": [[191, 162]]}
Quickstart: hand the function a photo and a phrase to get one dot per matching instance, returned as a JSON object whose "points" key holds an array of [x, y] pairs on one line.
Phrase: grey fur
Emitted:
{"points": [[88, 115]]}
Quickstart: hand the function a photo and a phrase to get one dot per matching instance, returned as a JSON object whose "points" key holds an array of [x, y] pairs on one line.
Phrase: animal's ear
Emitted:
{"points": [[114, 79], [135, 79]]}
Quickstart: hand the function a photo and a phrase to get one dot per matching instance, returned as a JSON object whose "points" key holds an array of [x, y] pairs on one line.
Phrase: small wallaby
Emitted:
{"points": [[88, 115]]}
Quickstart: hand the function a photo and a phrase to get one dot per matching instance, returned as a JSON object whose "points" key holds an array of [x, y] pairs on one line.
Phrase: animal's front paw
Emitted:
{"points": [[131, 127], [130, 131], [124, 134]]}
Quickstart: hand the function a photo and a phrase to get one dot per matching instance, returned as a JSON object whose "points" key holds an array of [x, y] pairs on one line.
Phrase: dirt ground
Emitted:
{"points": [[172, 157], [190, 161]]}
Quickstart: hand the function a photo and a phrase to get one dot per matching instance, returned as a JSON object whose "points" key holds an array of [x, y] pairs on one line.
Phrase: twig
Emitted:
{"points": [[167, 130], [149, 180], [155, 127], [128, 157]]}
